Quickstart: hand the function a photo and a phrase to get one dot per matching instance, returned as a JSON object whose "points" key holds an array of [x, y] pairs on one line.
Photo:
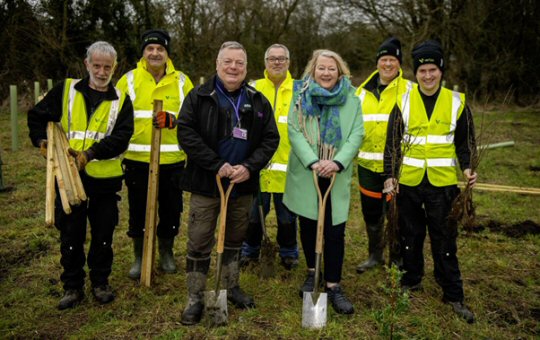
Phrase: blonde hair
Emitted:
{"points": [[343, 68]]}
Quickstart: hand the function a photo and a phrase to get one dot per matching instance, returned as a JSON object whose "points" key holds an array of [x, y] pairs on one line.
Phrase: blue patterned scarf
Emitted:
{"points": [[316, 102]]}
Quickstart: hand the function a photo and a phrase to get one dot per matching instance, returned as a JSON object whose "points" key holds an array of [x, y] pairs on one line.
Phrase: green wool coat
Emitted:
{"points": [[300, 193]]}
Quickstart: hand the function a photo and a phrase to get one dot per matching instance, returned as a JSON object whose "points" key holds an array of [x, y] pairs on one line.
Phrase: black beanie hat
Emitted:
{"points": [[428, 52], [156, 36], [391, 46]]}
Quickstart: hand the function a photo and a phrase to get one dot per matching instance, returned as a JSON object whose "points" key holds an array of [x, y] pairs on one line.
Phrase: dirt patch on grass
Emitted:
{"points": [[12, 258], [516, 230]]}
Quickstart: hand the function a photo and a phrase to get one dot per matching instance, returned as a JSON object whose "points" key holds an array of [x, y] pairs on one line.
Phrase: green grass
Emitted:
{"points": [[501, 274]]}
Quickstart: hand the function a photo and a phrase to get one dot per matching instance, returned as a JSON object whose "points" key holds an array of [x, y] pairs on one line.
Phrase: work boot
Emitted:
{"points": [[196, 272], [103, 294], [375, 247], [289, 262], [71, 298], [309, 284], [246, 261], [135, 270], [412, 288], [462, 311], [231, 278], [339, 301], [166, 257]]}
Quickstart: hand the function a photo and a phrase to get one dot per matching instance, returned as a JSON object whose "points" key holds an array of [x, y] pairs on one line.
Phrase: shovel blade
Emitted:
{"points": [[314, 310], [216, 308], [268, 268]]}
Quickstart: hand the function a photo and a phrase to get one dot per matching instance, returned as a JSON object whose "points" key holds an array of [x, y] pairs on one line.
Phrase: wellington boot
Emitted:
{"points": [[375, 246], [166, 257], [135, 270], [375, 259], [231, 277], [196, 284]]}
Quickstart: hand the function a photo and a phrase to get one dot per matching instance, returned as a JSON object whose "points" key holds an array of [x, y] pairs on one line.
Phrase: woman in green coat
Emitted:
{"points": [[325, 132]]}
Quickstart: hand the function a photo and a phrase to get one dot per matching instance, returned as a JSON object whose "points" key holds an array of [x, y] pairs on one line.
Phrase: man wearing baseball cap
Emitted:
{"points": [[432, 130], [155, 78], [378, 95]]}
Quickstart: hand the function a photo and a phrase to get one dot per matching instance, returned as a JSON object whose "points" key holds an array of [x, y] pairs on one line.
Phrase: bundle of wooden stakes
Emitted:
{"points": [[61, 165]]}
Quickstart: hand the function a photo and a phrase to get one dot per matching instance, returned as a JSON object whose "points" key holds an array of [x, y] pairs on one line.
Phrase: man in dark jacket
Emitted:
{"points": [[226, 128], [98, 119]]}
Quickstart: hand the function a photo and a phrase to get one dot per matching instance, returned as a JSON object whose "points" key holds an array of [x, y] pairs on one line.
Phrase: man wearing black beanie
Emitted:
{"points": [[378, 95], [155, 77], [432, 130]]}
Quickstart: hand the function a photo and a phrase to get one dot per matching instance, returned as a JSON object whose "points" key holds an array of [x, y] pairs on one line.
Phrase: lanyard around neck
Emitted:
{"points": [[236, 106]]}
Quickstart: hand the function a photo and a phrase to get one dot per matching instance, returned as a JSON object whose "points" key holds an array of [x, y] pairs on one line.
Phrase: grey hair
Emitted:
{"points": [[101, 47], [343, 68], [277, 46], [231, 45]]}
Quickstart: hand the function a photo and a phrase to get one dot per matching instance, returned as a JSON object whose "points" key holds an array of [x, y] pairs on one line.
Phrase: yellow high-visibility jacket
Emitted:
{"points": [[82, 132], [376, 113], [142, 89], [428, 145], [274, 175]]}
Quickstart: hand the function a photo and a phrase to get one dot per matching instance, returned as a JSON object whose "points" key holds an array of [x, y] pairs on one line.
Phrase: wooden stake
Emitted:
{"points": [[78, 187], [151, 202], [61, 184], [62, 160], [50, 192], [504, 188]]}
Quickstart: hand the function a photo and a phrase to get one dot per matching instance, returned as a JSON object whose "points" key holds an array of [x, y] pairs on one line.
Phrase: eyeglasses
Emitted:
{"points": [[230, 62], [279, 60]]}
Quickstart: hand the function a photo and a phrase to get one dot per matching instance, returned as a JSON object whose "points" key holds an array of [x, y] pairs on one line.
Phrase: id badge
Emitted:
{"points": [[239, 133]]}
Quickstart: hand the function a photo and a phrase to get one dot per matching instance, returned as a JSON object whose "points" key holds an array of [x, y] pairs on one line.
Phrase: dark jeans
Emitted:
{"points": [[334, 240], [286, 227], [169, 198], [428, 205], [102, 213]]}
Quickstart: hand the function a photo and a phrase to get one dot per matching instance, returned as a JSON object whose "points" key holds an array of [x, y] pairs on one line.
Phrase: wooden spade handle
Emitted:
{"points": [[224, 200], [322, 210]]}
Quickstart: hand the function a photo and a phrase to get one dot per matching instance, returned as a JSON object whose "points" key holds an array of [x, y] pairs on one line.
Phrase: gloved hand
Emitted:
{"points": [[164, 119], [81, 158], [43, 148]]}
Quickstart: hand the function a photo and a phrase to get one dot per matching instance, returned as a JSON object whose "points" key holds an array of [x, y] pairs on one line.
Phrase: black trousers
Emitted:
{"points": [[427, 205], [101, 210], [169, 198], [334, 240]]}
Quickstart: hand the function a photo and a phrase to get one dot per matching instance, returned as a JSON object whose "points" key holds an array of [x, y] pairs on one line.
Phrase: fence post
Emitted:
{"points": [[36, 92], [14, 122], [49, 84], [456, 88], [201, 80], [443, 83]]}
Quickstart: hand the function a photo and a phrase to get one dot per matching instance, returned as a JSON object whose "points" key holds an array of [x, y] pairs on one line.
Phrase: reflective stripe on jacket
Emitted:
{"points": [[143, 90], [274, 175], [83, 131], [376, 113], [428, 145]]}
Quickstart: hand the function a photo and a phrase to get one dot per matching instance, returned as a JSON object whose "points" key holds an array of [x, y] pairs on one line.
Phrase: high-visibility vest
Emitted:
{"points": [[274, 175], [83, 131], [376, 113], [428, 145], [143, 90]]}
